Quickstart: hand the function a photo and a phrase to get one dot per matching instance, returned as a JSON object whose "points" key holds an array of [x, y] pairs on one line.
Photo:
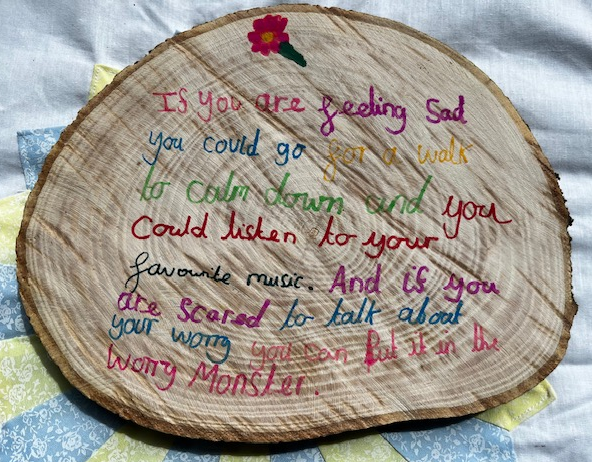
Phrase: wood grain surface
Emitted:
{"points": [[275, 234]]}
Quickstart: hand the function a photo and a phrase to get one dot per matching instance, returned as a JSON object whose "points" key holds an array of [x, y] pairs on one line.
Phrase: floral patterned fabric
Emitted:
{"points": [[13, 322], [471, 440], [297, 452], [133, 444], [371, 447], [34, 145], [67, 428], [27, 376]]}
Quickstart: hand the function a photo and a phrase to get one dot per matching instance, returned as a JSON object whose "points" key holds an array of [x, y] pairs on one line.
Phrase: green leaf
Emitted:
{"points": [[288, 51]]}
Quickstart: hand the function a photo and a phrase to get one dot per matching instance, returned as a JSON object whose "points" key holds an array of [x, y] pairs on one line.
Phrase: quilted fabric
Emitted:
{"points": [[539, 53]]}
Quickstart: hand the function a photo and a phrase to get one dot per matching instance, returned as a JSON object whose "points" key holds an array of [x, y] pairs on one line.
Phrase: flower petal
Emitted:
{"points": [[282, 23], [262, 48], [282, 37], [254, 37], [274, 46]]}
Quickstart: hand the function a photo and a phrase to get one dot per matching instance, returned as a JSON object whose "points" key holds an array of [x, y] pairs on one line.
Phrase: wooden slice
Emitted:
{"points": [[296, 221]]}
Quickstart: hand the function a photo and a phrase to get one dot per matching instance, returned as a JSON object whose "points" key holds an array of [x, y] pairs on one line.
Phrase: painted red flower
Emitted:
{"points": [[268, 33]]}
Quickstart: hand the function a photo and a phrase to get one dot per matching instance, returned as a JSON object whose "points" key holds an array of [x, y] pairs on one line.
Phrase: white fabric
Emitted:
{"points": [[539, 53]]}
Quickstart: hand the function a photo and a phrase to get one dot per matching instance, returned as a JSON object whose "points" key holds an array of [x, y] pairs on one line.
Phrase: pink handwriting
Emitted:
{"points": [[125, 303], [479, 341], [257, 384], [315, 353], [375, 353], [223, 104], [420, 281], [143, 365], [271, 353], [473, 287], [200, 313], [266, 103], [368, 286]]}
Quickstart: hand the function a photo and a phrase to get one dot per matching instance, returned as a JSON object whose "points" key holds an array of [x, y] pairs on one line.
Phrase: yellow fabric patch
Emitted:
{"points": [[371, 447], [28, 377], [245, 458], [11, 215], [512, 414], [132, 443], [102, 76]]}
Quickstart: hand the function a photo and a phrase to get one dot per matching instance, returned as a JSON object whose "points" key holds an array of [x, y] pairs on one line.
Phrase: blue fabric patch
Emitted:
{"points": [[471, 440], [187, 450], [68, 427], [297, 452], [13, 320], [34, 146]]}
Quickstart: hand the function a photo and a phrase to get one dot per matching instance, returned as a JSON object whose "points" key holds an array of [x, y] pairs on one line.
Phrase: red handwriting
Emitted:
{"points": [[209, 104], [419, 348], [330, 238], [469, 211], [182, 102], [249, 232], [163, 229], [445, 347], [377, 241], [394, 242]]}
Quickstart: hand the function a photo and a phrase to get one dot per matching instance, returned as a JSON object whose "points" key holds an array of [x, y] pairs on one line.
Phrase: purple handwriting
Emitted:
{"points": [[373, 107]]}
